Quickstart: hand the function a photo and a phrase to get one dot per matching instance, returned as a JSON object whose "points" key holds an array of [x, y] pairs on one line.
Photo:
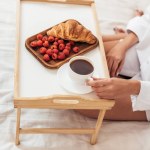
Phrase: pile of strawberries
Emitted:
{"points": [[53, 48]]}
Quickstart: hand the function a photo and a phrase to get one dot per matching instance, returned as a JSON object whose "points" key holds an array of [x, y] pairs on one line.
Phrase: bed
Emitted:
{"points": [[113, 135]]}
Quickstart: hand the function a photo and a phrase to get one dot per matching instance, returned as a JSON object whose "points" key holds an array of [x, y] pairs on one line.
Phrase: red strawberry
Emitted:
{"points": [[76, 49], [43, 50], [33, 44], [46, 57], [54, 56], [39, 36], [39, 43], [51, 39], [61, 56]]}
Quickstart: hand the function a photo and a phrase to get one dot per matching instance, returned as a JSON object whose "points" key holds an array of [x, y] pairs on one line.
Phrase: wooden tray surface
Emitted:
{"points": [[52, 64]]}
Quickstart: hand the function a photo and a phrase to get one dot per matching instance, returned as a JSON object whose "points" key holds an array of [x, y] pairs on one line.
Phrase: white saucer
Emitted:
{"points": [[65, 81]]}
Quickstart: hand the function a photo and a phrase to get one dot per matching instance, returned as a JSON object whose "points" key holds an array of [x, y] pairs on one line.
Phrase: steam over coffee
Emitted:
{"points": [[81, 67]]}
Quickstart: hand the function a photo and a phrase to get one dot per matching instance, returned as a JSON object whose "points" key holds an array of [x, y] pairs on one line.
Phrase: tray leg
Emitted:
{"points": [[97, 127], [18, 126]]}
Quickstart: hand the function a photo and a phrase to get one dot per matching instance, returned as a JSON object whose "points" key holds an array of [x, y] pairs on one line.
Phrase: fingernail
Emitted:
{"points": [[88, 80], [117, 73]]}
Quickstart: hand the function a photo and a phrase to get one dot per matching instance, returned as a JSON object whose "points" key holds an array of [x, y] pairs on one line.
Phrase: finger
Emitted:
{"points": [[105, 95], [91, 83], [94, 83], [120, 67], [95, 78], [114, 68], [119, 30], [99, 83], [99, 89], [109, 63]]}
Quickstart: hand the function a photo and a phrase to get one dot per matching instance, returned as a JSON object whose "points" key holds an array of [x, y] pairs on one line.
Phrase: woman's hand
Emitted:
{"points": [[115, 59], [113, 88]]}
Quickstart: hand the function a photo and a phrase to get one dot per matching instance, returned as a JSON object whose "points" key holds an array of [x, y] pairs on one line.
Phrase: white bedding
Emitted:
{"points": [[113, 135]]}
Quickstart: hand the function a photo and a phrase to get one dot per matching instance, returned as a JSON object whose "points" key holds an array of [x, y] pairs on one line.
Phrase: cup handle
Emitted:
{"points": [[90, 78]]}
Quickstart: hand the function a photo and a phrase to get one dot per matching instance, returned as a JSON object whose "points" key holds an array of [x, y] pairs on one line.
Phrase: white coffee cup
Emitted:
{"points": [[76, 76]]}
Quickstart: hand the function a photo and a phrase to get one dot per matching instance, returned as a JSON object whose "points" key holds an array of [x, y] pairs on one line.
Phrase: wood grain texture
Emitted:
{"points": [[78, 2], [98, 126], [101, 45], [18, 126], [16, 71], [56, 130], [60, 101]]}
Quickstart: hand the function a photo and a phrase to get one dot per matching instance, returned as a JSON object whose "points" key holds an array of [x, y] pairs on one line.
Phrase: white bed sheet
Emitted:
{"points": [[113, 135]]}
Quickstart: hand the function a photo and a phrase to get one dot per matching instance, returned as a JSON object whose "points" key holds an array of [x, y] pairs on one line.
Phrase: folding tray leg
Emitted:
{"points": [[97, 127], [18, 126]]}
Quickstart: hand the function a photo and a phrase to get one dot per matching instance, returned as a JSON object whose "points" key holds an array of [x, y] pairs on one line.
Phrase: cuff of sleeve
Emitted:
{"points": [[142, 101], [138, 26], [148, 115]]}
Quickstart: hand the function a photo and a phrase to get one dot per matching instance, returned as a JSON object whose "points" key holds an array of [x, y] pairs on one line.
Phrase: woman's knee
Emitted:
{"points": [[88, 113]]}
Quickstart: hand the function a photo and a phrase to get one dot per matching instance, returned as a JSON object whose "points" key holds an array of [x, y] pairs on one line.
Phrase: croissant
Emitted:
{"points": [[72, 30]]}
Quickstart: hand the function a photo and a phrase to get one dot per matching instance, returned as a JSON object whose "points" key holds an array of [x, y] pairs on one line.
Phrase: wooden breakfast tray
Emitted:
{"points": [[36, 87], [83, 48]]}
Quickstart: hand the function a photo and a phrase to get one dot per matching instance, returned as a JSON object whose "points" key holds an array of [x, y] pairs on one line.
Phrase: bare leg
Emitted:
{"points": [[111, 40], [109, 45], [121, 111]]}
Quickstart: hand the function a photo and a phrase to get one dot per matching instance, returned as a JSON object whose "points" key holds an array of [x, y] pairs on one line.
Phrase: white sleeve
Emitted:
{"points": [[139, 25], [142, 101]]}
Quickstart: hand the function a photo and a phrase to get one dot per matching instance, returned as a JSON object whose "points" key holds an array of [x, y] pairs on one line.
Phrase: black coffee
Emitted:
{"points": [[81, 66]]}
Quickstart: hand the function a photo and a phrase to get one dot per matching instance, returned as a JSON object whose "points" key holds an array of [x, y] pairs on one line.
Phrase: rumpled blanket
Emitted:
{"points": [[113, 135]]}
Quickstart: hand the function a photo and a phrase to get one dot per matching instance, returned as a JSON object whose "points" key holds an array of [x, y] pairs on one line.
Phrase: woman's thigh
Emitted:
{"points": [[121, 111], [113, 37], [109, 45]]}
